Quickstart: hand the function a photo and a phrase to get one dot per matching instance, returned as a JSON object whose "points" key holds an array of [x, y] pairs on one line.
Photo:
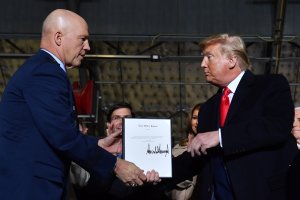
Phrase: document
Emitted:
{"points": [[147, 143]]}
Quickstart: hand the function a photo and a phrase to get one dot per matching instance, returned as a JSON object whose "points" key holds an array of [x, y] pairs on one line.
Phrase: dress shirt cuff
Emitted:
{"points": [[220, 137]]}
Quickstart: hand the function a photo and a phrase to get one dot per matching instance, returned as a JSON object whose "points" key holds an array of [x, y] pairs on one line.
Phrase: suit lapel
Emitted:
{"points": [[242, 92]]}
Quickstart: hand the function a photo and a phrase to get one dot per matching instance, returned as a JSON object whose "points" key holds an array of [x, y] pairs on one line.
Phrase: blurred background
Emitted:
{"points": [[146, 52]]}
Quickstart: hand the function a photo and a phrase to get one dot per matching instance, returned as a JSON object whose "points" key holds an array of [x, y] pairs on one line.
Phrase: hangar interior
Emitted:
{"points": [[146, 52]]}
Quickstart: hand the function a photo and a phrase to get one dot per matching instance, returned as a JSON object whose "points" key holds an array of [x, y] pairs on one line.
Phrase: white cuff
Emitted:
{"points": [[220, 137]]}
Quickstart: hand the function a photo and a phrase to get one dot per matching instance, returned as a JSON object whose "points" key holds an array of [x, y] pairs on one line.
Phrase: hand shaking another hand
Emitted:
{"points": [[133, 176], [126, 171]]}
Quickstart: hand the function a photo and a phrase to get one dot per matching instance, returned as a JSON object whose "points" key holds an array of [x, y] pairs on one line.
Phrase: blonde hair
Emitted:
{"points": [[230, 45]]}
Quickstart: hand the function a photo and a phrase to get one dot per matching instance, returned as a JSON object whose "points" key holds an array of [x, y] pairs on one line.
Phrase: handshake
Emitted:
{"points": [[133, 176], [126, 171]]}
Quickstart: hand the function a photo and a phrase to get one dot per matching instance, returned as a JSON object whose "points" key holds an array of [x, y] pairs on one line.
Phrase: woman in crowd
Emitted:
{"points": [[184, 190]]}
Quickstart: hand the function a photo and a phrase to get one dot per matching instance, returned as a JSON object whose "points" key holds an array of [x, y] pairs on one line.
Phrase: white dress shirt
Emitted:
{"points": [[232, 87]]}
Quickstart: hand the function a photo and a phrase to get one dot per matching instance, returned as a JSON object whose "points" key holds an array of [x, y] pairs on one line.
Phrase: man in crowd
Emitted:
{"points": [[294, 173]]}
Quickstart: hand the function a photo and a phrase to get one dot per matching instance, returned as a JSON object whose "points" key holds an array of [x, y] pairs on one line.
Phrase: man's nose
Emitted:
{"points": [[87, 46], [203, 63], [296, 123]]}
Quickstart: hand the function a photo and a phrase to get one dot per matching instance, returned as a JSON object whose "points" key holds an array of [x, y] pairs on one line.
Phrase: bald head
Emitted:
{"points": [[60, 20], [65, 33]]}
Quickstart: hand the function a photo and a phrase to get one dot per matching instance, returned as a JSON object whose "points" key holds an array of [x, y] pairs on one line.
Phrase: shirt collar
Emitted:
{"points": [[233, 84], [56, 59]]}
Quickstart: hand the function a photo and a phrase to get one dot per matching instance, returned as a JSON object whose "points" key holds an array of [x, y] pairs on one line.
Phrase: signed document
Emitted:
{"points": [[147, 143]]}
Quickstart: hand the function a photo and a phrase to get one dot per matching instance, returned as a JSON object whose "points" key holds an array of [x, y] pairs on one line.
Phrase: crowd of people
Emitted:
{"points": [[241, 145], [87, 187]]}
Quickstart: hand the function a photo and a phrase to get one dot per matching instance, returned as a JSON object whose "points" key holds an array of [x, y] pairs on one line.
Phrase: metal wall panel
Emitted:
{"points": [[151, 17], [25, 16]]}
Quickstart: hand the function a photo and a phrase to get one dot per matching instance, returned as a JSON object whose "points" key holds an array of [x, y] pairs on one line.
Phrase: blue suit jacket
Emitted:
{"points": [[38, 134], [257, 144]]}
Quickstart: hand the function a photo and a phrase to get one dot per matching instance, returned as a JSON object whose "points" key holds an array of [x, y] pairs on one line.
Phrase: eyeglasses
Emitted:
{"points": [[118, 117]]}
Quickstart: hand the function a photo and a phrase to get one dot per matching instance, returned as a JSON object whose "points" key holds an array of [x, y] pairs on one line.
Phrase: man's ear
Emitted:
{"points": [[58, 38], [232, 61]]}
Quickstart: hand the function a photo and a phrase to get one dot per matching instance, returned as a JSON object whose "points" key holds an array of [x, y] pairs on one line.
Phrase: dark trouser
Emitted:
{"points": [[294, 179], [222, 189]]}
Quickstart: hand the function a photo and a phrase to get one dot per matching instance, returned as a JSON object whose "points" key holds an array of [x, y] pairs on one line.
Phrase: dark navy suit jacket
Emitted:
{"points": [[38, 134], [258, 146]]}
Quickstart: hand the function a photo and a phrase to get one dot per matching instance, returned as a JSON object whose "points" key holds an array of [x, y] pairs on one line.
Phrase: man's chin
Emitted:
{"points": [[70, 67], [209, 81], [73, 66]]}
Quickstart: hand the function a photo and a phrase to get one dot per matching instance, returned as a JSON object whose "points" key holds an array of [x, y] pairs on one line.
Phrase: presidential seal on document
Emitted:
{"points": [[147, 143]]}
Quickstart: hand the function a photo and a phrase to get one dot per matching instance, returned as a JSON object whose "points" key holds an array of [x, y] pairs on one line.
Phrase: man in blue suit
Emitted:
{"points": [[38, 134], [246, 156]]}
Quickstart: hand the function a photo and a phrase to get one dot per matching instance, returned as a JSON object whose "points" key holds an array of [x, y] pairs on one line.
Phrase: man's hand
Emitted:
{"points": [[129, 173], [109, 140], [203, 141], [114, 127], [153, 177], [83, 129]]}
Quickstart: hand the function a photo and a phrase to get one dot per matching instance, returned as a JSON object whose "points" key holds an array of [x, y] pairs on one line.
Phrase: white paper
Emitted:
{"points": [[147, 143]]}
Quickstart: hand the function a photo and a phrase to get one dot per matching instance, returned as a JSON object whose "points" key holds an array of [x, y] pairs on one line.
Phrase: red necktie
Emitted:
{"points": [[224, 106]]}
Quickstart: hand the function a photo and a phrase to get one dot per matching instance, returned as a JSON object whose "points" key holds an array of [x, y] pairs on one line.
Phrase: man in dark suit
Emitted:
{"points": [[294, 172], [247, 156], [38, 134]]}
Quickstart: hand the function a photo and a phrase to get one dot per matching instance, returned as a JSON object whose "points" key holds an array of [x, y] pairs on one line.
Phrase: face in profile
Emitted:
{"points": [[214, 64], [76, 44], [296, 126], [297, 118]]}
